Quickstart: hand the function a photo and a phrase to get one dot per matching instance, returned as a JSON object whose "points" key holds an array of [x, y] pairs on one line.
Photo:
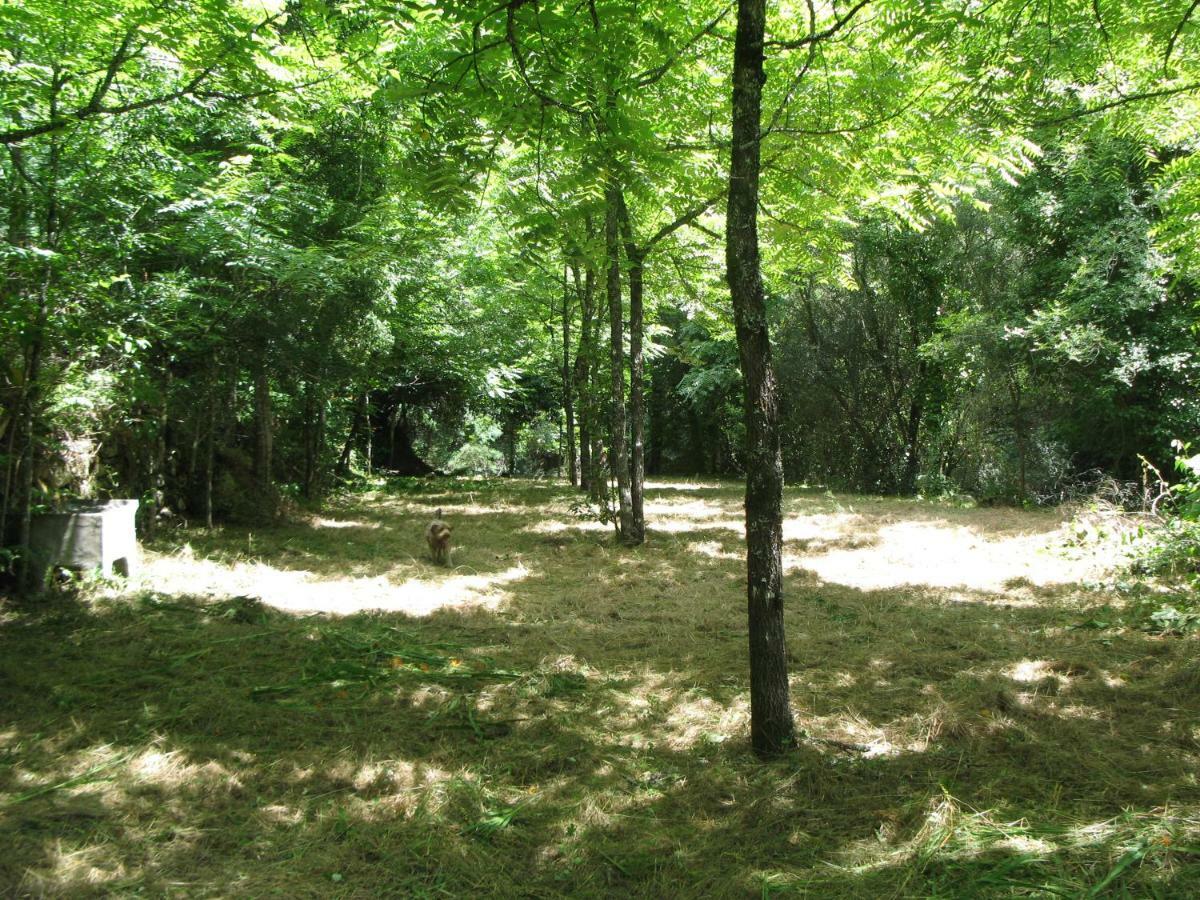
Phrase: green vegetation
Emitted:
{"points": [[283, 270], [974, 721]]}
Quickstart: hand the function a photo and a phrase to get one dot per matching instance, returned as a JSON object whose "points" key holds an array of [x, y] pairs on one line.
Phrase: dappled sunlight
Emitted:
{"points": [[321, 522], [685, 525], [76, 870], [1034, 670], [713, 550], [300, 591], [171, 770], [944, 555], [569, 715], [557, 526]]}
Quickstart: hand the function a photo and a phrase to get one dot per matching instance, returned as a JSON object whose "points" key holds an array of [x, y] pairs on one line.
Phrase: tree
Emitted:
{"points": [[771, 727]]}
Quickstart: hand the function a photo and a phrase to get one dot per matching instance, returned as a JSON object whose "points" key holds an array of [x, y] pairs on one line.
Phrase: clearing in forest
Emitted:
{"points": [[315, 709]]}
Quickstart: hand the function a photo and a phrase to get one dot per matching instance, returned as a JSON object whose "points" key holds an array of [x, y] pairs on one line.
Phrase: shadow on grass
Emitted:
{"points": [[588, 739]]}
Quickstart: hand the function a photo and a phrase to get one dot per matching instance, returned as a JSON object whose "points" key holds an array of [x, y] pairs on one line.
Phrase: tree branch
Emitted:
{"points": [[95, 105], [650, 76], [814, 37], [1178, 29], [1120, 101]]}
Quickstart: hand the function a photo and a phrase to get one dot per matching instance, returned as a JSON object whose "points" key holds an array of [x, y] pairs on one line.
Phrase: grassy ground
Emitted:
{"points": [[315, 710]]}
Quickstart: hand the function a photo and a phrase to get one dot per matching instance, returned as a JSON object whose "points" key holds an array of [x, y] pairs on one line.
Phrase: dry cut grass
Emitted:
{"points": [[317, 710]]}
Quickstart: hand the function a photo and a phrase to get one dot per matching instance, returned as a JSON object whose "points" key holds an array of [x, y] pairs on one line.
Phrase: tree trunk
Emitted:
{"points": [[156, 474], [567, 390], [210, 457], [402, 457], [263, 428], [583, 369], [1019, 426], [34, 372], [620, 448], [637, 473], [17, 236], [314, 423], [601, 493], [771, 727], [360, 416], [912, 437]]}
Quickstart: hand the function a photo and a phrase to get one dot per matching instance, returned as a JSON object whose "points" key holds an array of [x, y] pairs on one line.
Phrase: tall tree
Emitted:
{"points": [[771, 727]]}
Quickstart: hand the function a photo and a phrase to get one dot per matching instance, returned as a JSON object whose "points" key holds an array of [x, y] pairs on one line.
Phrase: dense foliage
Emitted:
{"points": [[251, 248]]}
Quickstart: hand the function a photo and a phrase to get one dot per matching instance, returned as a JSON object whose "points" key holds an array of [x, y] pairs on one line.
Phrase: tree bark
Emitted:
{"points": [[210, 457], [17, 236], [567, 389], [583, 370], [601, 492], [771, 727], [637, 405], [620, 448]]}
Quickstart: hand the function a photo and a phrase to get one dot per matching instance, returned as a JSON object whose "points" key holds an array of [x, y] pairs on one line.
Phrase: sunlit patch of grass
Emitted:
{"points": [[558, 715]]}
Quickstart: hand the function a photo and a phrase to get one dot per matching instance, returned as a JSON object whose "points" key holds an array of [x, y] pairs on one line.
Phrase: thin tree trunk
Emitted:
{"points": [[263, 436], [27, 570], [156, 478], [771, 727], [34, 373], [916, 412], [583, 369], [360, 416], [620, 448], [1019, 426], [369, 448], [310, 440], [209, 456], [567, 390], [637, 405], [601, 493]]}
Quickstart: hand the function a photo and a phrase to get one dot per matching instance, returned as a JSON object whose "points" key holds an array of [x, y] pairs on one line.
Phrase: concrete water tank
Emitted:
{"points": [[87, 536]]}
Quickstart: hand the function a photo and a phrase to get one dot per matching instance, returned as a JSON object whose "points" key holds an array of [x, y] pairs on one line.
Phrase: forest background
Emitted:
{"points": [[252, 248]]}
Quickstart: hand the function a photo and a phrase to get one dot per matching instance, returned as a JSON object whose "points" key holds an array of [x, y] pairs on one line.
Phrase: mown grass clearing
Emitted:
{"points": [[560, 715]]}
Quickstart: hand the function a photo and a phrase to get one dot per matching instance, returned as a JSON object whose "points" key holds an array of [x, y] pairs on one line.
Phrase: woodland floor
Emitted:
{"points": [[315, 710]]}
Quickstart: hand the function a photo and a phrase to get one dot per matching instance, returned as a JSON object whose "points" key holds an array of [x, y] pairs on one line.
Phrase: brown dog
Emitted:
{"points": [[437, 533]]}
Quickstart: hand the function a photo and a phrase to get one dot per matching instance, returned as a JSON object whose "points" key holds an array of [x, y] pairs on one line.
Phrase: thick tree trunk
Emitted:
{"points": [[18, 236], [637, 405], [567, 389], [402, 457], [771, 727], [620, 448]]}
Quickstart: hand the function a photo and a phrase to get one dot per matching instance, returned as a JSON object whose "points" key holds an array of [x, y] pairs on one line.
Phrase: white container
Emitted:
{"points": [[87, 536]]}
